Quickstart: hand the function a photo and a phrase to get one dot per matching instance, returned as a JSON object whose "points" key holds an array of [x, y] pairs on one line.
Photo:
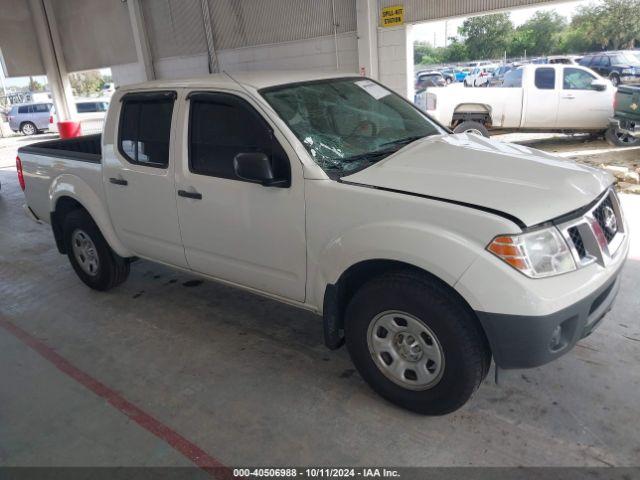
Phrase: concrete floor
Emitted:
{"points": [[248, 381]]}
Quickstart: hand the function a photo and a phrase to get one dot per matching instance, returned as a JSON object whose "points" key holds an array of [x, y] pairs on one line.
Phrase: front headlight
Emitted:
{"points": [[537, 254]]}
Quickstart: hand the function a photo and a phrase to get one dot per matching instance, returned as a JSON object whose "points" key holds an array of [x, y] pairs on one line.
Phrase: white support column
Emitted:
{"points": [[140, 39], [51, 52], [367, 19]]}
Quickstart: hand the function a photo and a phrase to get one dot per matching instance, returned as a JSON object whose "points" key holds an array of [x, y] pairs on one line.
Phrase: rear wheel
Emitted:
{"points": [[415, 343], [471, 126], [28, 128], [620, 139], [97, 265]]}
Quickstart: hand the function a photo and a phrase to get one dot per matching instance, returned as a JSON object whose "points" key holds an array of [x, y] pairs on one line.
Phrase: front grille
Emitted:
{"points": [[576, 238], [603, 215], [595, 235]]}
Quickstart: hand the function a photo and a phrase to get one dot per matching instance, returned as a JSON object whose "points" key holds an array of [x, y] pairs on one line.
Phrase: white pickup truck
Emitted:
{"points": [[565, 98], [430, 253]]}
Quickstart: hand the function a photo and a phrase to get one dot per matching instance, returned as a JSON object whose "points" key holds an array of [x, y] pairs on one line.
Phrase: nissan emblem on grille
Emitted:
{"points": [[609, 219]]}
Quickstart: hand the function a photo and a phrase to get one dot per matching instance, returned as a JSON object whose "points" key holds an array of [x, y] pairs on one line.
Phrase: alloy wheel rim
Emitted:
{"points": [[405, 350], [85, 253], [28, 129]]}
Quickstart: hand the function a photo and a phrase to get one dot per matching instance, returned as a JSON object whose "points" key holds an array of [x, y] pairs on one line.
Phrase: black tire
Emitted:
{"points": [[467, 356], [470, 126], [111, 269], [615, 79], [615, 137], [28, 128]]}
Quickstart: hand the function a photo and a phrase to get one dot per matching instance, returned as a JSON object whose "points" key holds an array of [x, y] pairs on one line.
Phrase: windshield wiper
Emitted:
{"points": [[404, 141], [370, 155]]}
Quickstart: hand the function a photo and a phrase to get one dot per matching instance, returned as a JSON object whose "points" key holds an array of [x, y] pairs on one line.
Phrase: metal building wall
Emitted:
{"points": [[94, 33], [175, 27], [419, 10], [243, 23], [20, 52]]}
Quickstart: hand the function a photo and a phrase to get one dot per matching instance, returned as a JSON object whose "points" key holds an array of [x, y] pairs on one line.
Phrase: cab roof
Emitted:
{"points": [[256, 80]]}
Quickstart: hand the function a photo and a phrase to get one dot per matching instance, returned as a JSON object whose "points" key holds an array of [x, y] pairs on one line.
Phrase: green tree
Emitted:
{"points": [[86, 83], [456, 51], [35, 86], [540, 35], [611, 24], [487, 36]]}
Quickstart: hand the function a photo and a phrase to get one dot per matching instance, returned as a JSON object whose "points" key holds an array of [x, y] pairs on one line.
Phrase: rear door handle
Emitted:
{"points": [[569, 97], [194, 195], [118, 181]]}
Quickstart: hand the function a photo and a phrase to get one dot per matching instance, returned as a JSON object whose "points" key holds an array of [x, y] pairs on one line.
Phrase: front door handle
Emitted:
{"points": [[569, 97], [118, 181], [194, 195]]}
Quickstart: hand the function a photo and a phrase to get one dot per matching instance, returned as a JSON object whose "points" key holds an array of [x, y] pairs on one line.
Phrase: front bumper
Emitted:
{"points": [[630, 79], [520, 341], [625, 126]]}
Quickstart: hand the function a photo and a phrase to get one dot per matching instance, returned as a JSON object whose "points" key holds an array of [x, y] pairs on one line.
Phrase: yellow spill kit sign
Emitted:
{"points": [[392, 16]]}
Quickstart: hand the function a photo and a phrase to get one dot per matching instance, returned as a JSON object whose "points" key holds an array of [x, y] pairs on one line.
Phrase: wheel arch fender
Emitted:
{"points": [[74, 188], [377, 248]]}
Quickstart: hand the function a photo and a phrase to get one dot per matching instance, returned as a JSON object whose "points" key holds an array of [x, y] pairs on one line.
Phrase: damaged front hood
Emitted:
{"points": [[528, 184]]}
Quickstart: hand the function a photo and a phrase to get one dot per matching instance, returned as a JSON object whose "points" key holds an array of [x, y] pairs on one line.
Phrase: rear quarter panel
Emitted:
{"points": [[504, 104]]}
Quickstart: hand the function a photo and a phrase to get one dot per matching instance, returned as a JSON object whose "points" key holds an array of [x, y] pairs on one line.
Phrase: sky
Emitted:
{"points": [[428, 32]]}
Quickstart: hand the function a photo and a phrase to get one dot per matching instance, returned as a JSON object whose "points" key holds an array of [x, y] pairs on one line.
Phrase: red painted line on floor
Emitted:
{"points": [[190, 450]]}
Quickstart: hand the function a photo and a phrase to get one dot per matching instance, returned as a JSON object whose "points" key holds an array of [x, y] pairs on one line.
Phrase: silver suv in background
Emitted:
{"points": [[31, 118]]}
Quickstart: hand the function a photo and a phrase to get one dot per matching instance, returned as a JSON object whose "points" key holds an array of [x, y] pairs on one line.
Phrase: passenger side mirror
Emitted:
{"points": [[599, 85], [256, 167]]}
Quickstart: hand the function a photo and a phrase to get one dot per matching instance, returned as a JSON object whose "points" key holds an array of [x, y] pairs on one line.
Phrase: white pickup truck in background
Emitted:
{"points": [[428, 253], [567, 98]]}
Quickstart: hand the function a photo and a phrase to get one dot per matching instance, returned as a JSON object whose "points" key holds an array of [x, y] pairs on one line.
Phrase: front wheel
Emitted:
{"points": [[97, 265], [471, 126], [415, 343], [620, 139]]}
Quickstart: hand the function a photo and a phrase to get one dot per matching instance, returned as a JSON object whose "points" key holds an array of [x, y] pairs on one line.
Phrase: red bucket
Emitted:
{"points": [[69, 129]]}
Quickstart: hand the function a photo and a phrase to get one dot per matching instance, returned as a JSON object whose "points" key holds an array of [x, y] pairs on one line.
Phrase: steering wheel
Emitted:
{"points": [[364, 123]]}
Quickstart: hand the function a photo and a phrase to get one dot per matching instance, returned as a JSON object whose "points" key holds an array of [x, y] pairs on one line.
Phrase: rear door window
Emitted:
{"points": [[145, 128], [545, 78], [41, 108]]}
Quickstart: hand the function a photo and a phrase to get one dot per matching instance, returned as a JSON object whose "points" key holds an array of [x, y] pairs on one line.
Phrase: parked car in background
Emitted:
{"points": [[557, 59], [497, 78], [624, 129], [429, 254], [429, 79], [90, 113], [533, 98], [31, 118], [108, 88], [480, 76], [448, 74], [621, 67]]}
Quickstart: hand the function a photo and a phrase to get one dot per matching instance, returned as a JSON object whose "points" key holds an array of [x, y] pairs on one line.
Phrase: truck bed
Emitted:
{"points": [[51, 164], [87, 148]]}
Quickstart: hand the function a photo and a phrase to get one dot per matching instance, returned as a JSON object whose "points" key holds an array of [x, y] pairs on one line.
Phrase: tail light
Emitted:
{"points": [[50, 118], [483, 74], [20, 174]]}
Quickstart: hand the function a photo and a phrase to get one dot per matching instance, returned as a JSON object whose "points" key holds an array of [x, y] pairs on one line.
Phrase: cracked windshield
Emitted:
{"points": [[348, 124]]}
